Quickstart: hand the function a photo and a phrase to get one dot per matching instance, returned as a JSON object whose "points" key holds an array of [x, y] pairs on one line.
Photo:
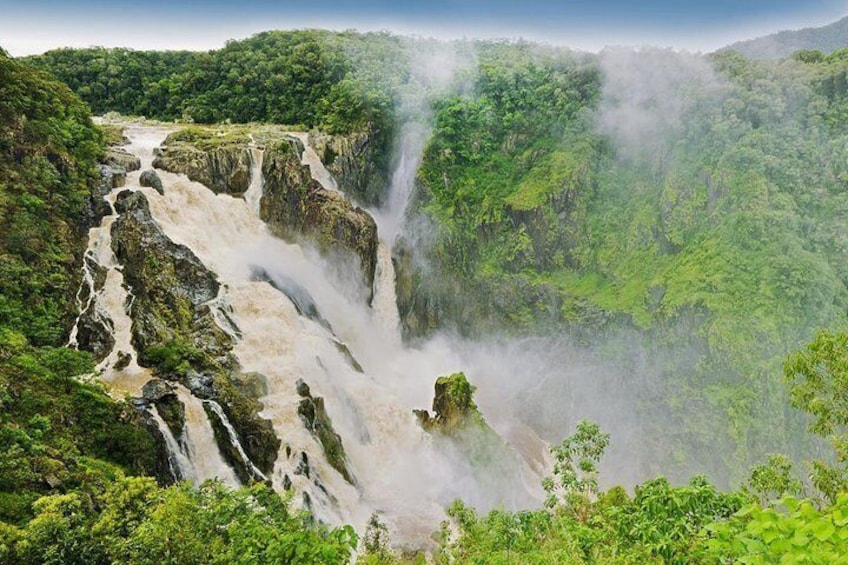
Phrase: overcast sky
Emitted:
{"points": [[33, 26]]}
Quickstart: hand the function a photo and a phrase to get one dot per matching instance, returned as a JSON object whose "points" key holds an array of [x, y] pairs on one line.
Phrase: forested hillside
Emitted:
{"points": [[713, 233], [680, 216]]}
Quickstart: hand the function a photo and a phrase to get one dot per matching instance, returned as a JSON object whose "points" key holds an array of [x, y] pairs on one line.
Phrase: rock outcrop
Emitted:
{"points": [[314, 416], [221, 166], [354, 161], [458, 422], [255, 434], [453, 406], [297, 207], [420, 310], [94, 331], [172, 411], [175, 331], [171, 288], [118, 157]]}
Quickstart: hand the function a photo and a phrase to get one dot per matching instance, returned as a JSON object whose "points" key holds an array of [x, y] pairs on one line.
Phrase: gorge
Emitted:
{"points": [[362, 308]]}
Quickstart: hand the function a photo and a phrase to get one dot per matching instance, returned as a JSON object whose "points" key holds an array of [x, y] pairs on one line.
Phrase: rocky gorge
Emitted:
{"points": [[241, 298]]}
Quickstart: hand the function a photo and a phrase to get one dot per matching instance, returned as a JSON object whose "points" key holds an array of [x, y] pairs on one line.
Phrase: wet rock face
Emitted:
{"points": [[223, 169], [117, 157], [151, 179], [94, 331], [255, 434], [351, 159], [297, 207], [174, 330], [169, 284], [163, 471], [421, 313], [314, 416], [163, 395]]}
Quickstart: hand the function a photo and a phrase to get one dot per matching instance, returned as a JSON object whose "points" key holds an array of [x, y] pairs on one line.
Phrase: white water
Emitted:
{"points": [[385, 299], [200, 445], [253, 194], [316, 167], [180, 463], [234, 440], [399, 470]]}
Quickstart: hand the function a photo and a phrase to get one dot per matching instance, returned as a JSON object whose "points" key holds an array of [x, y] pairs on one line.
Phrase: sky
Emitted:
{"points": [[35, 26]]}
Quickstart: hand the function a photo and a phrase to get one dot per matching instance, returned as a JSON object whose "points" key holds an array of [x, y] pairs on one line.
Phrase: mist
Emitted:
{"points": [[435, 70], [647, 94]]}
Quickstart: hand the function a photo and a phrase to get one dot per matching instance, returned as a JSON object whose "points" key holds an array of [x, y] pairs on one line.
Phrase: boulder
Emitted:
{"points": [[151, 179], [120, 158]]}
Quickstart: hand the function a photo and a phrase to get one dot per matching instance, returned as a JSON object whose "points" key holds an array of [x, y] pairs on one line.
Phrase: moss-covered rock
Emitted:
{"points": [[94, 331], [297, 207], [252, 385], [314, 415], [458, 422], [222, 165], [118, 157], [172, 411], [420, 311], [453, 406], [255, 434], [169, 284]]}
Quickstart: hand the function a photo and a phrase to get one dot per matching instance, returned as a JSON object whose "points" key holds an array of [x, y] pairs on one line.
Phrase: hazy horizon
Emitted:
{"points": [[42, 25]]}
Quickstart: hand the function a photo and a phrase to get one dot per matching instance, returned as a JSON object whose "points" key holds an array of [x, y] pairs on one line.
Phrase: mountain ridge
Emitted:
{"points": [[781, 44]]}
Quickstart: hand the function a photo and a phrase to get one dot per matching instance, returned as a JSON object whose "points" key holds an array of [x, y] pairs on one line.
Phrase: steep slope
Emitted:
{"points": [[57, 434]]}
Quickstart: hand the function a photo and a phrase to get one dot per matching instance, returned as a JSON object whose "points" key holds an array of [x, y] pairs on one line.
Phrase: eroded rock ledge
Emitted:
{"points": [[222, 165], [297, 207]]}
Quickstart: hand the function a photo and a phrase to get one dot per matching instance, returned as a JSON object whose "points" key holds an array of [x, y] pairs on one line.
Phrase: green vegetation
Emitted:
{"points": [[48, 151], [134, 521], [717, 239]]}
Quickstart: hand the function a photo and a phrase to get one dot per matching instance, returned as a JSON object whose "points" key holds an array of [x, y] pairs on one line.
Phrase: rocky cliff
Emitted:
{"points": [[297, 207], [356, 163], [221, 165], [174, 329]]}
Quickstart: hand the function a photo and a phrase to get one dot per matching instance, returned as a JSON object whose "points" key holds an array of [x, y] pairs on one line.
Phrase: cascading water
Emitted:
{"points": [[316, 167], [200, 445], [181, 466], [398, 469]]}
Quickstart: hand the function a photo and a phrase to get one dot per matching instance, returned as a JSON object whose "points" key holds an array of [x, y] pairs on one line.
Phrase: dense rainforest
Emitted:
{"points": [[698, 203]]}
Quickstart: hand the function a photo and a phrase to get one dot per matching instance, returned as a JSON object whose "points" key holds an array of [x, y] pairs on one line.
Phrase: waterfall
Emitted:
{"points": [[200, 445], [390, 218], [401, 471], [86, 286], [233, 437], [316, 167], [385, 300], [181, 466], [253, 194]]}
